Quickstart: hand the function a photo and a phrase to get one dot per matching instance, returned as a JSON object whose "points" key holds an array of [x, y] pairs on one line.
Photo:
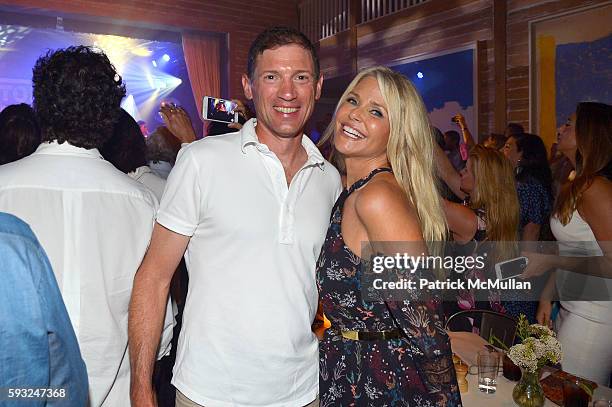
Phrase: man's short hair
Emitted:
{"points": [[276, 37], [77, 93], [162, 146]]}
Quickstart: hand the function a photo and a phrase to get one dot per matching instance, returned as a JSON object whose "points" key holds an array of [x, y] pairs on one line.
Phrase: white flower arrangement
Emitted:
{"points": [[539, 346]]}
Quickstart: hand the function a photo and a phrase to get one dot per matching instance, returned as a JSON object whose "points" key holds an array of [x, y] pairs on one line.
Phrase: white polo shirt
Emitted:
{"points": [[246, 337]]}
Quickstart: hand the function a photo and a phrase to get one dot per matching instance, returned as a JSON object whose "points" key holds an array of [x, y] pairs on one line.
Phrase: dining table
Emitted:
{"points": [[466, 346]]}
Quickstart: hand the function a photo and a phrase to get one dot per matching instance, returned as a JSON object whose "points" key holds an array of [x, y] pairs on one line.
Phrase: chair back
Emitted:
{"points": [[491, 325]]}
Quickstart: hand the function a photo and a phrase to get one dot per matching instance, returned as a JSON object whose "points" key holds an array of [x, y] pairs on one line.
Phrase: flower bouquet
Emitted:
{"points": [[539, 346]]}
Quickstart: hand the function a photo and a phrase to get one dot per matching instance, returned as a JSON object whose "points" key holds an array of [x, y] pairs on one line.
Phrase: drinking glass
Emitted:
{"points": [[488, 365]]}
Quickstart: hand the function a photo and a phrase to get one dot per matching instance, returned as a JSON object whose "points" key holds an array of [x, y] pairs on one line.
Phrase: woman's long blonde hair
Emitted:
{"points": [[594, 152], [495, 193], [410, 149]]}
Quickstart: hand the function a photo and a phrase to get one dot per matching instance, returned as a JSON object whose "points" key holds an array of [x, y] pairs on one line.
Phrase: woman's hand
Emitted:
{"points": [[537, 264], [460, 120], [544, 312]]}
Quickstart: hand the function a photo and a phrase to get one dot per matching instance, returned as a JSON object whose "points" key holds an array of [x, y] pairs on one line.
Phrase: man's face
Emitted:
{"points": [[283, 90]]}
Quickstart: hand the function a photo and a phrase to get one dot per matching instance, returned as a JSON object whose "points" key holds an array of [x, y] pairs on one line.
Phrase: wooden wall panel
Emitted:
{"points": [[242, 21], [438, 25], [520, 13], [335, 55]]}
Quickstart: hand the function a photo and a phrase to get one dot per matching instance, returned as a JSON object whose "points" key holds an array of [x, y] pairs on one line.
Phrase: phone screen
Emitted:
{"points": [[512, 268], [220, 110]]}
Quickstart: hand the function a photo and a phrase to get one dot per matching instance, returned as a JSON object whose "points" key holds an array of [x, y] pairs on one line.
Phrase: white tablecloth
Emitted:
{"points": [[466, 345]]}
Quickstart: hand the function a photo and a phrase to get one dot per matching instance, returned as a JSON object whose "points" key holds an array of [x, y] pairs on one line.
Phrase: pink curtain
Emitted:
{"points": [[203, 60]]}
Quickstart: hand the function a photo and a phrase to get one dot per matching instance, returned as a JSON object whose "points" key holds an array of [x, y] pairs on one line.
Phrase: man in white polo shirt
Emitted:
{"points": [[249, 210]]}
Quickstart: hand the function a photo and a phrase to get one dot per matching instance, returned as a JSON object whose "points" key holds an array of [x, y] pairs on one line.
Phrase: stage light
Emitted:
{"points": [[11, 34], [154, 63], [117, 49], [129, 105], [420, 75], [166, 57], [140, 86], [174, 82], [142, 52]]}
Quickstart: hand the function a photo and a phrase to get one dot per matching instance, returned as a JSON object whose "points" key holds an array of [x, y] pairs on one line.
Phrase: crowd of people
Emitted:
{"points": [[102, 227]]}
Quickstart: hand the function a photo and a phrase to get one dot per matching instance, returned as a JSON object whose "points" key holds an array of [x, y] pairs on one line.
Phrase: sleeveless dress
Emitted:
{"points": [[589, 353], [415, 369], [584, 328]]}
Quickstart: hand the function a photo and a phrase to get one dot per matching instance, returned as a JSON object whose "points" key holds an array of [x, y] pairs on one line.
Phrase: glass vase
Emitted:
{"points": [[528, 392]]}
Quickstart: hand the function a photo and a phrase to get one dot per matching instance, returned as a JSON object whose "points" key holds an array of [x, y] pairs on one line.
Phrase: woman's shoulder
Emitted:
{"points": [[385, 211], [380, 193], [599, 188]]}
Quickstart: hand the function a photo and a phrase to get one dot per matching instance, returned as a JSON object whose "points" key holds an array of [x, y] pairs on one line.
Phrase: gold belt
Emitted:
{"points": [[371, 336]]}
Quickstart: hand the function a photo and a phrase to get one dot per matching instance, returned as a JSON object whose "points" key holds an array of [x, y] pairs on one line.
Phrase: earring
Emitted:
{"points": [[519, 168]]}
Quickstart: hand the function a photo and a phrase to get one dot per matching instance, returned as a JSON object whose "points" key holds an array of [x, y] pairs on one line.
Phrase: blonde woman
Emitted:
{"points": [[492, 215], [390, 353]]}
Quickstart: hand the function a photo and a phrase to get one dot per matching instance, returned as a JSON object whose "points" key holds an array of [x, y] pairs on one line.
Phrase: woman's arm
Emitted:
{"points": [[386, 215], [544, 311], [447, 172], [531, 232], [462, 221], [596, 210], [465, 131]]}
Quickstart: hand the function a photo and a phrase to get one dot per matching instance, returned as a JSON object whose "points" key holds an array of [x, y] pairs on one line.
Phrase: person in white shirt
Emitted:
{"points": [[93, 221], [249, 210], [162, 148], [127, 151]]}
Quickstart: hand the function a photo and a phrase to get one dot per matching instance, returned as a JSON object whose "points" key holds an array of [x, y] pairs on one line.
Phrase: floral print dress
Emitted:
{"points": [[413, 370]]}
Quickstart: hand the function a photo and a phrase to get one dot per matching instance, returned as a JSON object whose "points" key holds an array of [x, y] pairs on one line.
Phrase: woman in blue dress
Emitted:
{"points": [[382, 353]]}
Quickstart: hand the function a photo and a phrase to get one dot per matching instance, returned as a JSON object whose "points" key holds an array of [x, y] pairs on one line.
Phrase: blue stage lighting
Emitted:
{"points": [[166, 57], [154, 62], [420, 75]]}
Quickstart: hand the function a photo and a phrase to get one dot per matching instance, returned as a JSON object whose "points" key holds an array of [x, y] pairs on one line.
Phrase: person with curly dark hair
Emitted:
{"points": [[19, 132], [77, 93], [93, 221]]}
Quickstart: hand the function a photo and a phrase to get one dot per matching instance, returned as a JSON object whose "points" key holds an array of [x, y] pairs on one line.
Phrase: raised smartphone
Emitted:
{"points": [[511, 268], [219, 110]]}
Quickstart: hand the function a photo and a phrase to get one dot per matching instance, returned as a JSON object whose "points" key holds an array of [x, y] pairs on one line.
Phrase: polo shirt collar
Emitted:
{"points": [[248, 136], [55, 148]]}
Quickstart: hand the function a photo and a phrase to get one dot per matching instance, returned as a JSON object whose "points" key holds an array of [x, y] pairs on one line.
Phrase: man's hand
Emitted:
{"points": [[242, 111], [178, 122]]}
